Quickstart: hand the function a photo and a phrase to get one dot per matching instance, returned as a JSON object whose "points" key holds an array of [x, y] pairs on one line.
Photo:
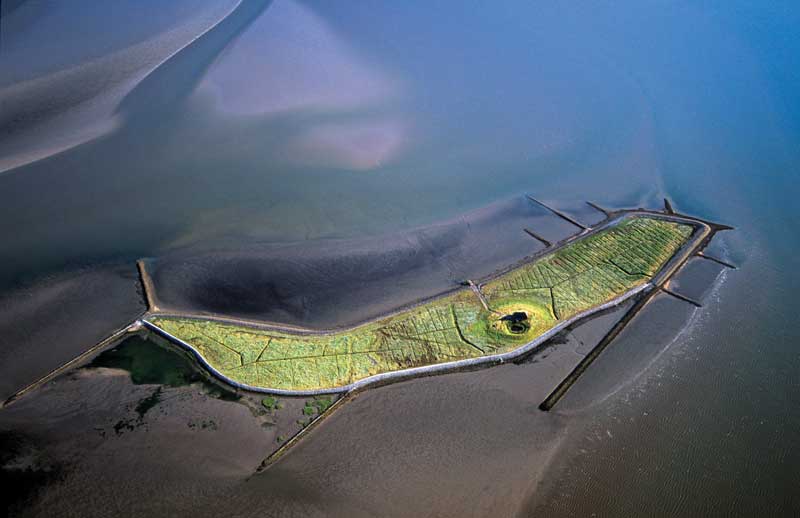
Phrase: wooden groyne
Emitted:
{"points": [[599, 208], [562, 388], [147, 286], [539, 238], [97, 348], [701, 238], [558, 213], [285, 447], [718, 261], [681, 297]]}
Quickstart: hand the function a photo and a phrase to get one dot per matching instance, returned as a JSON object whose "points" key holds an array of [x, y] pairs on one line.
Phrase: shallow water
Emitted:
{"points": [[302, 135]]}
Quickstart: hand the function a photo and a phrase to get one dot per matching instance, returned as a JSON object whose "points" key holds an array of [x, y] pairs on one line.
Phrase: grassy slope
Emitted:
{"points": [[586, 273]]}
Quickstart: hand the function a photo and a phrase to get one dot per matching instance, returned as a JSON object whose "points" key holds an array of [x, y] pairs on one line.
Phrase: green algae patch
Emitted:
{"points": [[522, 304], [270, 403], [148, 363]]}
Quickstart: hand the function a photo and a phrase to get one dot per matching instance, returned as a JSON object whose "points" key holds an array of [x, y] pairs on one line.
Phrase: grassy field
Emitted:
{"points": [[524, 303]]}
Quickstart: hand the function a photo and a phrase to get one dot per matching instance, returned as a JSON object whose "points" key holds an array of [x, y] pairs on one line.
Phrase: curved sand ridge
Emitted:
{"points": [[83, 96]]}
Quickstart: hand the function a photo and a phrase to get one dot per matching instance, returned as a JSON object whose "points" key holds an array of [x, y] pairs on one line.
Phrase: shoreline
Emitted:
{"points": [[614, 218]]}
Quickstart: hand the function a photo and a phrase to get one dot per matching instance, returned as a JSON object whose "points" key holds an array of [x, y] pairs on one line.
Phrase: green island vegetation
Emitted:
{"points": [[521, 305], [271, 404]]}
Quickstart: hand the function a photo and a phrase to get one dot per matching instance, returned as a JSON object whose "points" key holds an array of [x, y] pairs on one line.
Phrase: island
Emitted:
{"points": [[482, 322]]}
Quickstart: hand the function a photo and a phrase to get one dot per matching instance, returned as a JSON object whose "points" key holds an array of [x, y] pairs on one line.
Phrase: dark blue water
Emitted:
{"points": [[305, 121]]}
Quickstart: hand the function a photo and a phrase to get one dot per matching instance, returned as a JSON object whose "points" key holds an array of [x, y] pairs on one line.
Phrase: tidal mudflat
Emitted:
{"points": [[145, 387], [143, 418], [380, 145], [139, 407]]}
